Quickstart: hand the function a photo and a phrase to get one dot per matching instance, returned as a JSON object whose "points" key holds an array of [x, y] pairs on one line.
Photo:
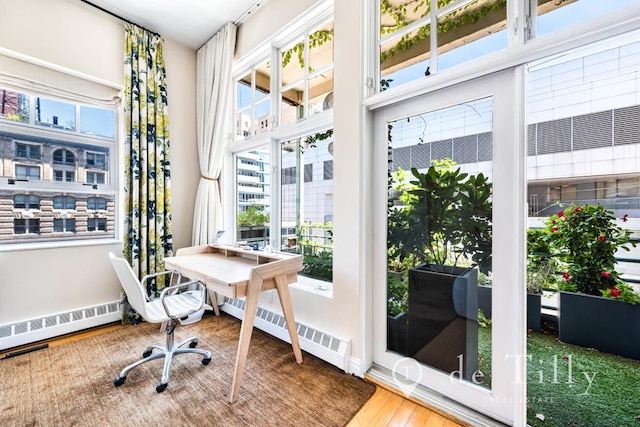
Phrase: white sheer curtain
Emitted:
{"points": [[214, 119]]}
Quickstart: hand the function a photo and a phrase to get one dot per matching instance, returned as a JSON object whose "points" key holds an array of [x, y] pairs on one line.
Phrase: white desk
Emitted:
{"points": [[235, 273]]}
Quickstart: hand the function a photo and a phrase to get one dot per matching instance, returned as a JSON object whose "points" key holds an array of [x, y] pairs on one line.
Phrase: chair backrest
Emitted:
{"points": [[130, 283]]}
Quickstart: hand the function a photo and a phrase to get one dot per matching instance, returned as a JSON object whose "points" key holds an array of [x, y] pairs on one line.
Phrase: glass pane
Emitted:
{"points": [[263, 116], [396, 14], [439, 239], [556, 15], [405, 59], [321, 92], [470, 32], [14, 106], [55, 114], [252, 195], [307, 203], [293, 104], [293, 62], [263, 81], [97, 121], [321, 48], [583, 122], [243, 92]]}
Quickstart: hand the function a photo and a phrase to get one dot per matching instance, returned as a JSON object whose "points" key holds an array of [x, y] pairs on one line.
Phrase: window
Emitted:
{"points": [[253, 103], [27, 172], [48, 148], [96, 204], [64, 225], [64, 202], [26, 226], [308, 172], [283, 138], [96, 160], [95, 178], [23, 201], [64, 157], [28, 151], [14, 106], [307, 74], [328, 170], [464, 30], [64, 176], [55, 114], [289, 175], [307, 211], [97, 224]]}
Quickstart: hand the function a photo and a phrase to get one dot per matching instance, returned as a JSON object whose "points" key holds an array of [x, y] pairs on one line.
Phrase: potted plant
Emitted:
{"points": [[597, 308], [444, 228]]}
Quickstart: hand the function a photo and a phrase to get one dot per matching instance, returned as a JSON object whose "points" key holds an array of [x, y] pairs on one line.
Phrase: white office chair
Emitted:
{"points": [[171, 307]]}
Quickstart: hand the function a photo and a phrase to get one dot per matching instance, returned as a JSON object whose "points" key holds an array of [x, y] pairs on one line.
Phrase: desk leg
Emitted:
{"points": [[251, 306], [287, 310]]}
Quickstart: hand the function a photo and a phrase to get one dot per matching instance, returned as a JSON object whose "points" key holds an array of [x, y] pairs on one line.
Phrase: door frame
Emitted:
{"points": [[506, 400]]}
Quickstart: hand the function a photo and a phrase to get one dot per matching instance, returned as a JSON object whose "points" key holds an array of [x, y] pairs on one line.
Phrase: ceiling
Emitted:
{"points": [[188, 22]]}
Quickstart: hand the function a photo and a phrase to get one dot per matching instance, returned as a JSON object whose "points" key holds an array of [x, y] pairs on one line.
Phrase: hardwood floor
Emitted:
{"points": [[386, 408]]}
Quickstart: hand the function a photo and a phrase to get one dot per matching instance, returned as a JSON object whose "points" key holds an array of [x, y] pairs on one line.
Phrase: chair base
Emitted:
{"points": [[167, 352]]}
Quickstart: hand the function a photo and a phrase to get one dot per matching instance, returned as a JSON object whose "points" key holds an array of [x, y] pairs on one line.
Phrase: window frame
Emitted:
{"points": [[277, 133], [23, 132]]}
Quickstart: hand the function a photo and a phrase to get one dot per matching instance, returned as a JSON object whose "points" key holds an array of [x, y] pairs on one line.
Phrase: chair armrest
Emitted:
{"points": [[171, 291], [158, 274]]}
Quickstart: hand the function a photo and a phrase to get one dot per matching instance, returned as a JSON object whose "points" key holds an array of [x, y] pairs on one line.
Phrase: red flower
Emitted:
{"points": [[565, 357], [601, 238], [625, 218], [554, 222], [566, 276], [560, 214], [614, 292], [577, 209], [605, 274], [554, 229]]}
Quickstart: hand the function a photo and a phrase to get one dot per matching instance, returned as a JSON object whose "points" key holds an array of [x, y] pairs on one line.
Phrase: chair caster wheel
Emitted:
{"points": [[206, 361], [193, 344], [160, 387], [119, 381], [147, 353]]}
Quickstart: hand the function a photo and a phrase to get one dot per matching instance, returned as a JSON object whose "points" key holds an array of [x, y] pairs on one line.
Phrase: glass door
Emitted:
{"points": [[449, 181]]}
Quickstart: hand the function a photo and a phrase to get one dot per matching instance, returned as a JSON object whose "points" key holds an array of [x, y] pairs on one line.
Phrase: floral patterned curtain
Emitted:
{"points": [[147, 233]]}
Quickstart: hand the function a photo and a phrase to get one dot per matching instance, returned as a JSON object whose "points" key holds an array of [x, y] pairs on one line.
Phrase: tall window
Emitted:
{"points": [[306, 203], [51, 149], [284, 185]]}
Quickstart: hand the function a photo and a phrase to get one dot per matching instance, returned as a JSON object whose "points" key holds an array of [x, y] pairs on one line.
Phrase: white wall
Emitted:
{"points": [[71, 34], [341, 315]]}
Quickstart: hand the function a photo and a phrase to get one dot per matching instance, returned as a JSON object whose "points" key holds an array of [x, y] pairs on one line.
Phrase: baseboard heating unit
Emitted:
{"points": [[45, 327], [327, 347]]}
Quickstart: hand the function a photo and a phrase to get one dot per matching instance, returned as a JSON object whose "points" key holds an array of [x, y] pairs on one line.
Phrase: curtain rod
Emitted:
{"points": [[118, 16]]}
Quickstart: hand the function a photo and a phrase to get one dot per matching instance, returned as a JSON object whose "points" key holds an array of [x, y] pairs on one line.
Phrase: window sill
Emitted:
{"points": [[314, 286], [57, 245]]}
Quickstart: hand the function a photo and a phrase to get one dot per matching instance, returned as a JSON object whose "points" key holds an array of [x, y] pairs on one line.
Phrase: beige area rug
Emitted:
{"points": [[72, 384]]}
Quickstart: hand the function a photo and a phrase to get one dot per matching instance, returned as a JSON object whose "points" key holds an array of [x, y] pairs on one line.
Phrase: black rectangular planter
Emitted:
{"points": [[606, 324], [397, 333], [443, 319], [534, 306]]}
